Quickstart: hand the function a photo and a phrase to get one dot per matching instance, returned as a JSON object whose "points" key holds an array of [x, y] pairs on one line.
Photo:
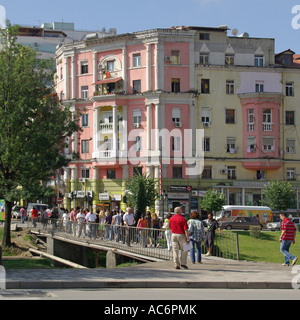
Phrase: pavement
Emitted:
{"points": [[214, 273]]}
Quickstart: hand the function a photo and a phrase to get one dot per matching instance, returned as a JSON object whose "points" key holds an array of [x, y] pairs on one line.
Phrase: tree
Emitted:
{"points": [[142, 192], [33, 125], [279, 195], [212, 201]]}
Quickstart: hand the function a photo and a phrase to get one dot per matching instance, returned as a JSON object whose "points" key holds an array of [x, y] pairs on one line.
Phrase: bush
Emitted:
{"points": [[255, 231]]}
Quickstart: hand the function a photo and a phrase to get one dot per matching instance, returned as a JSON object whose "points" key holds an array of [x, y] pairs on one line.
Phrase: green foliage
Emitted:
{"points": [[255, 231], [33, 125], [212, 201], [279, 195], [142, 192]]}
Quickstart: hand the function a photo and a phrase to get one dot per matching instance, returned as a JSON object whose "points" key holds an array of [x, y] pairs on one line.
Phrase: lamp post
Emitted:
{"points": [[163, 196]]}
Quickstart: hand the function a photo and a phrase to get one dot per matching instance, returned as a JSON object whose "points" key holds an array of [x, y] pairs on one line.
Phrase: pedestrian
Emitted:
{"points": [[116, 221], [180, 235], [168, 232], [91, 221], [73, 220], [101, 224], [287, 238], [156, 225], [212, 226], [196, 232], [65, 220], [141, 225], [34, 216], [129, 223], [22, 214], [108, 230], [44, 219], [81, 223], [150, 225]]}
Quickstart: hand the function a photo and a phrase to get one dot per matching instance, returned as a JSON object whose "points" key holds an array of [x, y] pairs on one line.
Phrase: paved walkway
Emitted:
{"points": [[212, 273]]}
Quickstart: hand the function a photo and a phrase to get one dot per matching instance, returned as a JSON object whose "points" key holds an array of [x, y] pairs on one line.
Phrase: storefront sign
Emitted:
{"points": [[103, 196], [178, 195], [116, 197], [173, 188], [247, 184]]}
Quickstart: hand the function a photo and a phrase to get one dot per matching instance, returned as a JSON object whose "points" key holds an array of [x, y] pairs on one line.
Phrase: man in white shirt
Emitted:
{"points": [[128, 221], [81, 222], [91, 220]]}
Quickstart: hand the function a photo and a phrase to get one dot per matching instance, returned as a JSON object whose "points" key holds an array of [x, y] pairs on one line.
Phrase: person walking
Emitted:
{"points": [[44, 219], [108, 227], [129, 223], [287, 238], [65, 220], [168, 232], [22, 214], [156, 225], [91, 221], [81, 222], [212, 226], [34, 216], [141, 225], [180, 235], [116, 223], [196, 231]]}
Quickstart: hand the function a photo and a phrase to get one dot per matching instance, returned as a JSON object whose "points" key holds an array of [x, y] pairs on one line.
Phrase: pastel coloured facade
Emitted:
{"points": [[144, 98]]}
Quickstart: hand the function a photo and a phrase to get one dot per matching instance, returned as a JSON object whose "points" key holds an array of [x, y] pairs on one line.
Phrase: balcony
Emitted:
{"points": [[267, 126], [106, 127]]}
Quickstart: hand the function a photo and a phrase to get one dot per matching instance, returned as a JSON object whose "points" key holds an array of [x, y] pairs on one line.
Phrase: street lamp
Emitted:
{"points": [[163, 197]]}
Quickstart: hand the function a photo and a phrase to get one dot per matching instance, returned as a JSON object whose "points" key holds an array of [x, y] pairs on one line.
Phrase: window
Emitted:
{"points": [[291, 174], [267, 120], [175, 57], [207, 173], [85, 173], [138, 171], [84, 67], [137, 60], [205, 115], [111, 174], [268, 144], [261, 175], [229, 87], [205, 86], [290, 146], [290, 117], [231, 173], [137, 86], [231, 145], [251, 120], [85, 146], [206, 144], [177, 172], [289, 89], [84, 92], [138, 143], [259, 86], [251, 144], [204, 36], [110, 66], [204, 58], [85, 120], [61, 73], [137, 118], [176, 115], [230, 116], [229, 59], [175, 85], [176, 144], [259, 60]]}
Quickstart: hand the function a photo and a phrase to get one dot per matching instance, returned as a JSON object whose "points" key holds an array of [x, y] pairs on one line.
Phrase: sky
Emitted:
{"points": [[260, 18]]}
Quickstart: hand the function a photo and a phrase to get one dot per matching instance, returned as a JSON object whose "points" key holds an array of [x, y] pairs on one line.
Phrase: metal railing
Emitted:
{"points": [[155, 243]]}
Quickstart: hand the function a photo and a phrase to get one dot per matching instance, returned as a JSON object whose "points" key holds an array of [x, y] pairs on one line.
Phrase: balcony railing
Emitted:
{"points": [[267, 126], [106, 127]]}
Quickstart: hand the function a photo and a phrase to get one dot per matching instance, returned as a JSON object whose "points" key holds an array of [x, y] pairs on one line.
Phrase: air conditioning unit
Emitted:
{"points": [[206, 124], [168, 59], [178, 124], [223, 171], [136, 125]]}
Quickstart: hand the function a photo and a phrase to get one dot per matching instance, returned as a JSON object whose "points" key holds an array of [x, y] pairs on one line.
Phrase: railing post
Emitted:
{"points": [[237, 247]]}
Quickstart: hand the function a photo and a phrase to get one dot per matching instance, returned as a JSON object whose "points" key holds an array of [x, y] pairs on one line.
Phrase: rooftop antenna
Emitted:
{"points": [[235, 32]]}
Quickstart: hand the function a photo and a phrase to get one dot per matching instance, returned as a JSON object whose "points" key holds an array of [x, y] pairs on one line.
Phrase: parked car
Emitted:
{"points": [[276, 224], [240, 223], [16, 212], [38, 206]]}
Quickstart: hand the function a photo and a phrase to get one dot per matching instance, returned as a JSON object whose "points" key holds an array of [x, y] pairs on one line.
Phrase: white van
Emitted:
{"points": [[263, 214], [38, 206]]}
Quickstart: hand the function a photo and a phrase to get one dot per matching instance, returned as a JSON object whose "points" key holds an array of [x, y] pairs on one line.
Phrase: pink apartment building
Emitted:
{"points": [[128, 88]]}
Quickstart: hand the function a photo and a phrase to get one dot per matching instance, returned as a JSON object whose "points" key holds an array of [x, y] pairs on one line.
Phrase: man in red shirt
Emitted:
{"points": [[34, 216], [288, 233], [180, 235]]}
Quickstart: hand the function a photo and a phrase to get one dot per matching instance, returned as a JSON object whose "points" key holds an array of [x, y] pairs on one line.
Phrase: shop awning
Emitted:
{"points": [[112, 80]]}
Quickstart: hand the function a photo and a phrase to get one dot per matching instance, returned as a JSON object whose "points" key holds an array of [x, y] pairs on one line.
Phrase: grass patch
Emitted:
{"points": [[266, 248], [27, 264]]}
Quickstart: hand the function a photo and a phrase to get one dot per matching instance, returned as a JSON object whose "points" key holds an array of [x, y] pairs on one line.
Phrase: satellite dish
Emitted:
{"points": [[235, 32]]}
